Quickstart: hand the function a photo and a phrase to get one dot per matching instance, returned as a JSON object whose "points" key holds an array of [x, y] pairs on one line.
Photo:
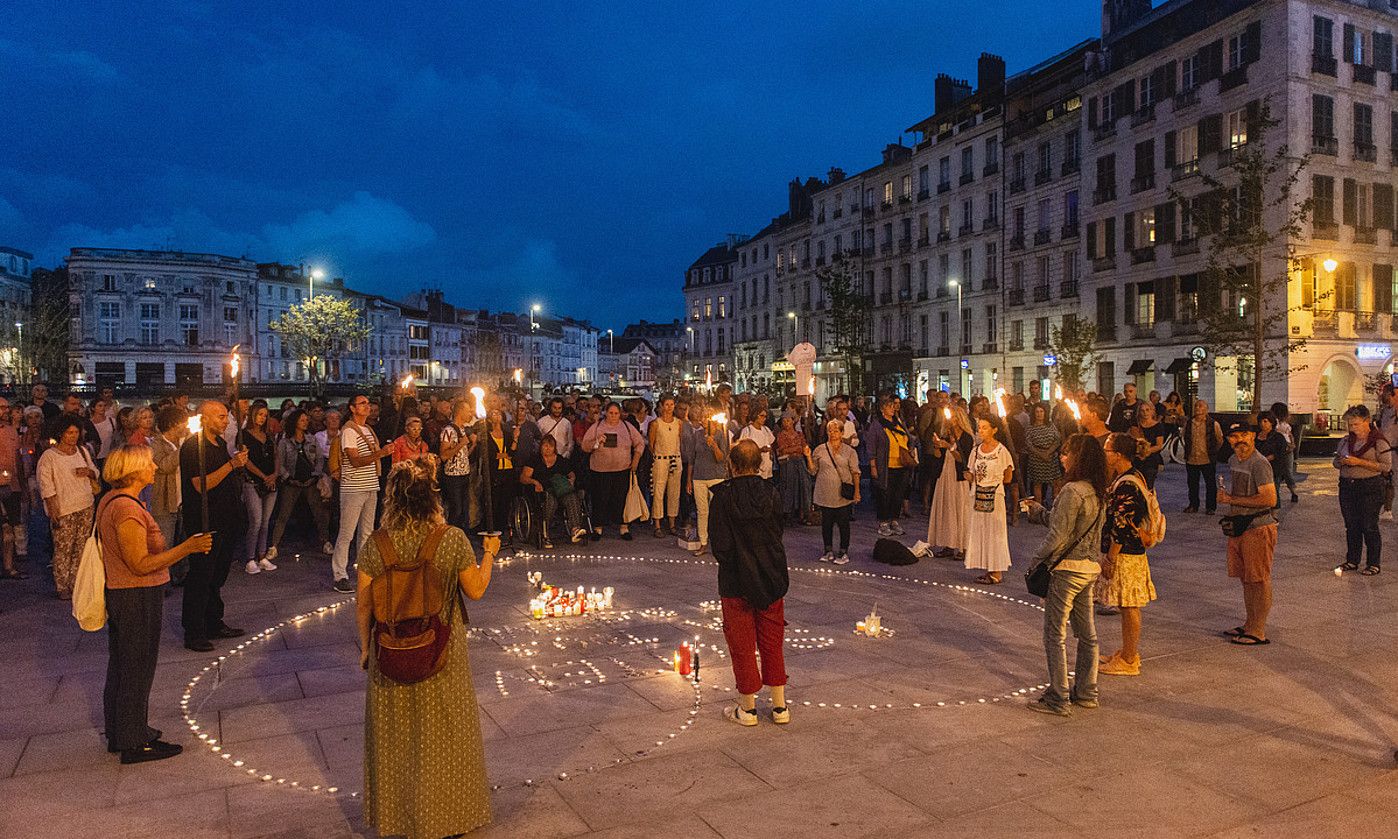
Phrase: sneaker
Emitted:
{"points": [[885, 530], [271, 554], [842, 559], [252, 567], [703, 549], [1084, 703], [1043, 707], [897, 528], [266, 564], [328, 548], [1118, 666], [199, 645], [735, 714], [154, 750], [828, 556], [343, 585], [781, 716], [1295, 498], [548, 546]]}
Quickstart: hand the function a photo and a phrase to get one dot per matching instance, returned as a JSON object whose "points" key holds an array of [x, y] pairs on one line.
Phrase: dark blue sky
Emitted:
{"points": [[581, 154]]}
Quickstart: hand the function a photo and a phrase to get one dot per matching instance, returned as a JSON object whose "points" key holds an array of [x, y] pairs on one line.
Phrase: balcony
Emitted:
{"points": [[991, 223], [905, 295], [868, 212], [820, 305], [1017, 185], [1042, 237], [1143, 116], [1017, 243], [1141, 255], [1365, 237], [1043, 176], [924, 240], [1364, 74], [1143, 331], [885, 205], [924, 194], [1325, 145], [805, 262], [990, 168], [1041, 342], [1184, 247], [1069, 231], [1325, 65], [1071, 167], [820, 260], [820, 219], [1186, 98], [1366, 152], [966, 229], [1068, 288], [944, 186], [1106, 331], [1187, 169], [1143, 182], [1366, 321], [1324, 322], [905, 244], [885, 298], [990, 283], [1233, 78], [1041, 293], [905, 199], [990, 348], [922, 295], [1325, 230], [1104, 131], [1104, 263], [943, 236], [868, 250], [1016, 345], [1103, 194], [1016, 297], [967, 178], [943, 350], [965, 349]]}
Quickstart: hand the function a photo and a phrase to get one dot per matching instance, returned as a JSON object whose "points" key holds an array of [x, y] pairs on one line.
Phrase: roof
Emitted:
{"points": [[16, 252], [717, 255], [624, 346]]}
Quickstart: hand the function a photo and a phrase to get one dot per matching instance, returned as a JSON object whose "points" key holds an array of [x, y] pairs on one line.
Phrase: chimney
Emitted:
{"points": [[990, 74], [836, 175], [798, 200], [1120, 14], [942, 93]]}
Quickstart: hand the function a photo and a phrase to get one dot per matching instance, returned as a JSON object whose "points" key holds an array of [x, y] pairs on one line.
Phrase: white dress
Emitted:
{"points": [[988, 533], [946, 526]]}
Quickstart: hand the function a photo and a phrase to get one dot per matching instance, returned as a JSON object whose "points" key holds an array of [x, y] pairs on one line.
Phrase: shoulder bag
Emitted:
{"points": [[846, 487], [1038, 577]]}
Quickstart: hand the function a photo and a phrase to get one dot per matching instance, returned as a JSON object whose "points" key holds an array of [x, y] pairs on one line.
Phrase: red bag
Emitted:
{"points": [[410, 634]]}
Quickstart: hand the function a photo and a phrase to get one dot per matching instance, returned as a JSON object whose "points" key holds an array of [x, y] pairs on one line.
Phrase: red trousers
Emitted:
{"points": [[750, 632]]}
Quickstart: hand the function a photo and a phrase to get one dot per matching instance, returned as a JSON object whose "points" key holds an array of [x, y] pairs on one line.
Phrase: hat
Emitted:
{"points": [[1238, 426]]}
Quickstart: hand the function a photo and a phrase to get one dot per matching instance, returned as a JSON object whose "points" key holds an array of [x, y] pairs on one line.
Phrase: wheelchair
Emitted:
{"points": [[530, 528]]}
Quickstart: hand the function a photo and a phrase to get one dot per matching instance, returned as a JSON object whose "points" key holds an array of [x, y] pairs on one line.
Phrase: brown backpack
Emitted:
{"points": [[410, 632]]}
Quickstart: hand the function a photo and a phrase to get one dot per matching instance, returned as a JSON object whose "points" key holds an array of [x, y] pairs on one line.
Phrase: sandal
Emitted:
{"points": [[1370, 570], [1350, 566], [987, 580], [1246, 640], [1234, 632]]}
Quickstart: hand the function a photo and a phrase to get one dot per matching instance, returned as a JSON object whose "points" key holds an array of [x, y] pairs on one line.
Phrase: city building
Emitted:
{"points": [[279, 287], [15, 295], [670, 342], [708, 294], [627, 363]]}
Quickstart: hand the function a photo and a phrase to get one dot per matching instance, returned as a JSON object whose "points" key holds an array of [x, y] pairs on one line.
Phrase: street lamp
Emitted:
{"points": [[961, 321], [19, 352], [533, 310], [611, 342], [791, 316], [1330, 265]]}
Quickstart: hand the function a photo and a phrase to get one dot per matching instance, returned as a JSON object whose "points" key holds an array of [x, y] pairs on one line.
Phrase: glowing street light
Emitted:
{"points": [[1330, 265], [611, 342]]}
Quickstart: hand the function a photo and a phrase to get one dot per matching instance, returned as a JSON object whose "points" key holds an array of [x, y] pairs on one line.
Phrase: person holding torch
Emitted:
{"points": [[206, 473]]}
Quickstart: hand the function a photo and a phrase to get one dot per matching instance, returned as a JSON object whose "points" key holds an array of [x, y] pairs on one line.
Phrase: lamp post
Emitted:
{"points": [[611, 342], [791, 316], [19, 353], [961, 331]]}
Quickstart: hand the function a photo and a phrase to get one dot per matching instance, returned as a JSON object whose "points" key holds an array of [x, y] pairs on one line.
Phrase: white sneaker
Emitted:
{"points": [[328, 548], [252, 567], [735, 714], [885, 530], [842, 559], [266, 564], [1386, 515], [781, 716], [271, 554], [829, 556]]}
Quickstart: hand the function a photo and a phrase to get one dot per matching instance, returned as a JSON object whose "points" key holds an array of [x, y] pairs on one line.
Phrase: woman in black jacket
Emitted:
{"points": [[745, 532]]}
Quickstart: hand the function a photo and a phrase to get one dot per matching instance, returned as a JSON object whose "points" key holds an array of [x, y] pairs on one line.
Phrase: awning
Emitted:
{"points": [[1139, 366], [1179, 365]]}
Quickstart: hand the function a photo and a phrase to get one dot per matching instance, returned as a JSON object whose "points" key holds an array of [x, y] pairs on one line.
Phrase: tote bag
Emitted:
{"points": [[636, 507], [90, 585]]}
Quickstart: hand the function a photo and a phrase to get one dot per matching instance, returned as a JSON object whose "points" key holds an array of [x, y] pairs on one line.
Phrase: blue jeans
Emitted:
{"points": [[1070, 601], [259, 515]]}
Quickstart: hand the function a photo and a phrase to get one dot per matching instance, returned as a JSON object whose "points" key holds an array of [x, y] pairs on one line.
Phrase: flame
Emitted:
{"points": [[810, 385], [233, 361], [195, 424], [479, 393], [519, 375], [1073, 406], [946, 413], [1058, 392], [721, 418], [407, 381]]}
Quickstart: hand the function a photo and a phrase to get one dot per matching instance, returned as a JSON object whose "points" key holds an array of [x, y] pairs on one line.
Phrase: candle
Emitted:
{"points": [[519, 375], [860, 627], [536, 609], [684, 661], [607, 597]]}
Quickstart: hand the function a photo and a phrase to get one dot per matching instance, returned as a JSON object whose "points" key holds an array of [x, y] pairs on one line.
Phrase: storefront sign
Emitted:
{"points": [[1373, 352]]}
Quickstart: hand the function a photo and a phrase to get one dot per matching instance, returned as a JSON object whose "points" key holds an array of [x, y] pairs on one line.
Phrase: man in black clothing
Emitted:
{"points": [[40, 394], [1123, 415], [202, 614]]}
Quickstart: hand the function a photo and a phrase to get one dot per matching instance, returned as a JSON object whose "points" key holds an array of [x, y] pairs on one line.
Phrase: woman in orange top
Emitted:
{"points": [[410, 445]]}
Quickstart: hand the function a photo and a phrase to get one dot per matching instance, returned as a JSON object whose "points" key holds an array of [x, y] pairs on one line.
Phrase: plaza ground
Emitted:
{"points": [[919, 734]]}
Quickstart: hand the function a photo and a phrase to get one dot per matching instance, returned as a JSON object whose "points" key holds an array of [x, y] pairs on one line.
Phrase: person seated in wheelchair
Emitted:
{"points": [[552, 478]]}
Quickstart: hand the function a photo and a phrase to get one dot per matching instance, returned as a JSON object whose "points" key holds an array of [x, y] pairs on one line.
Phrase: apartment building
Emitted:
{"points": [[708, 297], [669, 343], [16, 292]]}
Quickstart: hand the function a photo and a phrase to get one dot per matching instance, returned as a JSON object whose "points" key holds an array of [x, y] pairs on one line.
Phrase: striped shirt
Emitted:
{"points": [[358, 478]]}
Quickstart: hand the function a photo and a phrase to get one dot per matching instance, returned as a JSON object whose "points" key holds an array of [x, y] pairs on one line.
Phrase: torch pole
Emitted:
{"points": [[487, 480], [204, 486]]}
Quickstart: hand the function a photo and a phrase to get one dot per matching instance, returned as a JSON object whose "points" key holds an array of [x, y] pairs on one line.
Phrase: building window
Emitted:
{"points": [[1323, 199], [150, 323], [907, 186], [150, 283], [1070, 208], [1363, 125], [967, 162], [1237, 128], [924, 180], [1045, 213], [1322, 117], [888, 192], [109, 322], [1072, 149], [709, 302], [109, 282], [1189, 72], [1145, 304], [944, 173], [722, 306], [1235, 51], [1187, 144], [1147, 91], [1145, 228], [1041, 333], [189, 324], [230, 314], [1323, 37]]}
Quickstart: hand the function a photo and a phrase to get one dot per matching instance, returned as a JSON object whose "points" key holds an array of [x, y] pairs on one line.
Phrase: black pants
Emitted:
{"points": [[1360, 501], [503, 488], [609, 491], [202, 612], [831, 516], [1209, 473], [889, 500], [1149, 471], [133, 642], [454, 489]]}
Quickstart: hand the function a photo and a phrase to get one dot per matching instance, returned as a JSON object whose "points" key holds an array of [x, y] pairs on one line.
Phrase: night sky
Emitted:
{"points": [[576, 154]]}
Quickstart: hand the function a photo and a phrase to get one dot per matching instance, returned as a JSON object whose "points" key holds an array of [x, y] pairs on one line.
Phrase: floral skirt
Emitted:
{"points": [[1130, 585]]}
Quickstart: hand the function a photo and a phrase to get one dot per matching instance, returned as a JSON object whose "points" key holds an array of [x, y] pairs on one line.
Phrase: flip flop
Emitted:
{"points": [[1234, 632], [1246, 640], [1370, 570]]}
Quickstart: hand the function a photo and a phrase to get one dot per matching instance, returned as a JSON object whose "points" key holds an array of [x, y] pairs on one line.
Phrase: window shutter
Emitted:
{"points": [[1349, 207], [1383, 51], [1210, 134], [1092, 240], [1349, 43], [1092, 112], [1252, 42], [1110, 228], [1125, 101], [1383, 206], [1170, 71], [1211, 62], [1165, 223], [1157, 82], [1165, 293], [1129, 304], [1129, 234], [1169, 150], [1383, 288], [1252, 113]]}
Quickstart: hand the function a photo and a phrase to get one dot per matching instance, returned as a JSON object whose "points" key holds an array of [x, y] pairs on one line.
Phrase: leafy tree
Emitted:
{"points": [[43, 342], [1074, 346], [849, 316], [1250, 211], [319, 330]]}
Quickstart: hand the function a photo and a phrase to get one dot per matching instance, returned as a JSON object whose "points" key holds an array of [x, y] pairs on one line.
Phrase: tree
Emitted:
{"points": [[43, 342], [1249, 211], [1074, 347], [319, 330], [849, 316]]}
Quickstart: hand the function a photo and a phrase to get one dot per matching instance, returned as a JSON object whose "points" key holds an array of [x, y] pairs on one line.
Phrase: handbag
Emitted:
{"points": [[410, 645], [1235, 526], [1040, 574], [846, 487], [636, 507], [984, 501]]}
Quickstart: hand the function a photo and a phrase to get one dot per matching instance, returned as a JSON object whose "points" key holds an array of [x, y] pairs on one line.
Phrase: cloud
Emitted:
{"points": [[362, 227]]}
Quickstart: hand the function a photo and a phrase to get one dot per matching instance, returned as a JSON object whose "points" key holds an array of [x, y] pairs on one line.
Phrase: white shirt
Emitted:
{"points": [[358, 478], [322, 439], [460, 464], [57, 479], [106, 429], [561, 430], [764, 438]]}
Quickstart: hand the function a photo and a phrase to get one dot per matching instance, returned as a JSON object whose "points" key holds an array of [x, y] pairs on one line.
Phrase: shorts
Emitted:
{"points": [[1250, 555], [9, 503], [1130, 585]]}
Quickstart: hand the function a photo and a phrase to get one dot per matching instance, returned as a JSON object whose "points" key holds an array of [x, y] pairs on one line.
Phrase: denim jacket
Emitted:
{"points": [[286, 457], [1077, 509]]}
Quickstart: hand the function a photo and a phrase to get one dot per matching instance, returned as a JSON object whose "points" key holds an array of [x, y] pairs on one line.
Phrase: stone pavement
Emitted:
{"points": [[920, 734]]}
